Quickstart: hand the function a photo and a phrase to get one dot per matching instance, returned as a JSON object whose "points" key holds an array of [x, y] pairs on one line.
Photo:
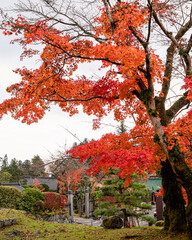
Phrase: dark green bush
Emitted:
{"points": [[33, 201], [45, 187], [149, 219], [27, 186], [104, 212], [108, 190], [10, 197]]}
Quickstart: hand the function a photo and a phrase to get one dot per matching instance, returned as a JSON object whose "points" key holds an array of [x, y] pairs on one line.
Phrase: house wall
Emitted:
{"points": [[51, 182]]}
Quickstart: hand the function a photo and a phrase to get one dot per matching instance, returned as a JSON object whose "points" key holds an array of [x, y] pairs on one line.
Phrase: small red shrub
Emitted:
{"points": [[54, 200]]}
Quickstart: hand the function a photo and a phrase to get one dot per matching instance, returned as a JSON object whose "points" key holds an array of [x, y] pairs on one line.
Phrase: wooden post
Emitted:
{"points": [[159, 207], [91, 207], [70, 200], [87, 203]]}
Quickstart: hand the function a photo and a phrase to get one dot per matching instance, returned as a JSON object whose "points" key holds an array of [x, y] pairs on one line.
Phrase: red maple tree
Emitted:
{"points": [[136, 82], [69, 181], [37, 185]]}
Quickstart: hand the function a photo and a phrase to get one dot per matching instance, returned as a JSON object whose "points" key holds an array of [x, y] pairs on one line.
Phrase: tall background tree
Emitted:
{"points": [[5, 177], [37, 167], [16, 170], [25, 166], [4, 163], [11, 171], [136, 81]]}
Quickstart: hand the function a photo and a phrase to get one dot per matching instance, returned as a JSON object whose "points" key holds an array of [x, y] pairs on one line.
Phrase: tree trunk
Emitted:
{"points": [[184, 175], [174, 212], [125, 218]]}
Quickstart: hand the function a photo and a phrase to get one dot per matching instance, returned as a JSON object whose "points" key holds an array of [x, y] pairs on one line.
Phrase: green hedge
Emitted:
{"points": [[10, 197], [33, 200]]}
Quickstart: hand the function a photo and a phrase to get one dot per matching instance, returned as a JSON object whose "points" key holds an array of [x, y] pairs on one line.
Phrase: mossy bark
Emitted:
{"points": [[184, 174], [174, 212]]}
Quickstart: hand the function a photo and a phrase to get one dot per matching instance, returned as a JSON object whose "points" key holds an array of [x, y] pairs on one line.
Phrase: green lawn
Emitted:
{"points": [[34, 229]]}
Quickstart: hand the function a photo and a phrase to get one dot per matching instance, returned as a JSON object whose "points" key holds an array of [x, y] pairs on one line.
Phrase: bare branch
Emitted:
{"points": [[107, 7], [79, 56], [149, 23], [170, 56], [63, 99], [64, 14]]}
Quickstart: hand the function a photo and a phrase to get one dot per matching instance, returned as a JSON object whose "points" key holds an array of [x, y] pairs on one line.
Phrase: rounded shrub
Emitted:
{"points": [[54, 201], [10, 197], [33, 201]]}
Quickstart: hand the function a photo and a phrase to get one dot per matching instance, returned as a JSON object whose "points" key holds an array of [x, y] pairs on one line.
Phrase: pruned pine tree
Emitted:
{"points": [[130, 203]]}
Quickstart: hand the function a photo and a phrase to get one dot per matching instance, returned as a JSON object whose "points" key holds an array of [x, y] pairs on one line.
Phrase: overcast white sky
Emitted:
{"points": [[22, 141]]}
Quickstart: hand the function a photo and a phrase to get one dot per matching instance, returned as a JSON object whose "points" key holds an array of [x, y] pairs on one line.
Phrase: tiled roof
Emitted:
{"points": [[16, 185]]}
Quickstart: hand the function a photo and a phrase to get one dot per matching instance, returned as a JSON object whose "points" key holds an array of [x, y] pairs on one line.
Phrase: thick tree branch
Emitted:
{"points": [[137, 94], [189, 45], [187, 57], [141, 84], [177, 106], [168, 71], [147, 60], [170, 56]]}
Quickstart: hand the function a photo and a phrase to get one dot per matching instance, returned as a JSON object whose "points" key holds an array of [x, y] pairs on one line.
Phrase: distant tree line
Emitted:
{"points": [[16, 170]]}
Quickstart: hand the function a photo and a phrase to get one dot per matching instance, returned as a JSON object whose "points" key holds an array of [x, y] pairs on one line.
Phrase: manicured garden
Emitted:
{"points": [[28, 227], [31, 205]]}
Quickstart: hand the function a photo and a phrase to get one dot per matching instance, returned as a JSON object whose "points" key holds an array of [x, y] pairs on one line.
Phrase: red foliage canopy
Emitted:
{"points": [[118, 41]]}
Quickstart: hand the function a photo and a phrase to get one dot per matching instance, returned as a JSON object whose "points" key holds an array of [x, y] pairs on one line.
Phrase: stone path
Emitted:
{"points": [[86, 221]]}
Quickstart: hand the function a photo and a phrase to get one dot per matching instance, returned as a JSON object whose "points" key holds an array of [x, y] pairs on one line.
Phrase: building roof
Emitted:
{"points": [[154, 183], [16, 185]]}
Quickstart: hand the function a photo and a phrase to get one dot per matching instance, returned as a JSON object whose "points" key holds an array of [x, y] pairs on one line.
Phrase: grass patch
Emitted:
{"points": [[33, 229]]}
